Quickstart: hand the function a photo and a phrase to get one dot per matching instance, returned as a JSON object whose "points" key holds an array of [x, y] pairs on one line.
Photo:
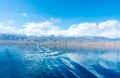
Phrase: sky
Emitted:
{"points": [[61, 17]]}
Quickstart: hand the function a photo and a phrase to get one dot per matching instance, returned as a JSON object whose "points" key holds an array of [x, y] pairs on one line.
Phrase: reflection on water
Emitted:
{"points": [[41, 62]]}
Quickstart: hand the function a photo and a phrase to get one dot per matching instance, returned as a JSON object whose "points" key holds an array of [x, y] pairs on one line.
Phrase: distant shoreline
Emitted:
{"points": [[73, 44]]}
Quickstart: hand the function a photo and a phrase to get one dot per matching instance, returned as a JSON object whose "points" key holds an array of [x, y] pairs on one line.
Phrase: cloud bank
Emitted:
{"points": [[109, 28]]}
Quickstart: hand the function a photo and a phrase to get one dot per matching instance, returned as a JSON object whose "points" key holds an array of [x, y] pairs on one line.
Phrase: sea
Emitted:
{"points": [[35, 61]]}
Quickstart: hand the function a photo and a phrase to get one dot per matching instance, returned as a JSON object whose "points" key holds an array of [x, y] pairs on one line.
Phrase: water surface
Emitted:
{"points": [[32, 61]]}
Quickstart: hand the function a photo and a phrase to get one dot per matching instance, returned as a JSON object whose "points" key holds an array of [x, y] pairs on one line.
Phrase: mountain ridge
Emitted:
{"points": [[22, 37]]}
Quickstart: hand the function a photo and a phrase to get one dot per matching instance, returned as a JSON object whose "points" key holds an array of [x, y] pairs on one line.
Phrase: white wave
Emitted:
{"points": [[67, 63], [53, 53]]}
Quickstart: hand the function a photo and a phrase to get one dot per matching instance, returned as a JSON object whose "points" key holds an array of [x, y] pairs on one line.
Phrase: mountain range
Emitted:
{"points": [[17, 37]]}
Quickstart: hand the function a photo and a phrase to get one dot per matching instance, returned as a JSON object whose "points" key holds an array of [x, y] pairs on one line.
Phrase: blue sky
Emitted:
{"points": [[63, 13], [82, 10]]}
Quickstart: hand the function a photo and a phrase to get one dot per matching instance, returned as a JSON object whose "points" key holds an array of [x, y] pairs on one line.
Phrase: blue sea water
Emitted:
{"points": [[30, 61]]}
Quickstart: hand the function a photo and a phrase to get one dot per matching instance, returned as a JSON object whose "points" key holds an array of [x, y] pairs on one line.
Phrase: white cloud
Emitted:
{"points": [[110, 24], [110, 28], [24, 14], [39, 29], [6, 29], [83, 29], [10, 21]]}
